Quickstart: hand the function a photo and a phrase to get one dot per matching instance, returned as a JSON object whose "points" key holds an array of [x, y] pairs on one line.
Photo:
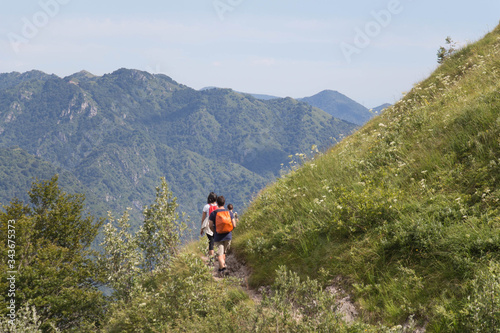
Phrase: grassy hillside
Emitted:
{"points": [[406, 211]]}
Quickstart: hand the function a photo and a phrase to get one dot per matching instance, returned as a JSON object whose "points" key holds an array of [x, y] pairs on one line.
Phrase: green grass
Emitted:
{"points": [[406, 209]]}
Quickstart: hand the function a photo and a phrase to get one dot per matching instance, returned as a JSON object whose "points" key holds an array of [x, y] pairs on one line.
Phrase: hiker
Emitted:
{"points": [[235, 214], [222, 223], [205, 228]]}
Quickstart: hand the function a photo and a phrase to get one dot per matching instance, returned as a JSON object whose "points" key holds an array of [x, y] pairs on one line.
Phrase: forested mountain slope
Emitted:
{"points": [[120, 132]]}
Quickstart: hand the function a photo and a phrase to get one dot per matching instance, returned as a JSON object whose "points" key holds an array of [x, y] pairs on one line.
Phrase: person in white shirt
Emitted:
{"points": [[205, 228]]}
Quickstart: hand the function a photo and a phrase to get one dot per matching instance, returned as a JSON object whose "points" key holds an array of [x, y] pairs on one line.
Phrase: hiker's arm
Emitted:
{"points": [[234, 223], [203, 216], [211, 224]]}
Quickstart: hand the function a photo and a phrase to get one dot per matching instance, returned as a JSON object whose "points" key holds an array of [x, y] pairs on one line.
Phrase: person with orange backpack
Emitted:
{"points": [[222, 224], [205, 227]]}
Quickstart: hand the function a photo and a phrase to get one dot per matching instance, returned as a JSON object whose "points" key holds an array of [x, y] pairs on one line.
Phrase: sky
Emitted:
{"points": [[371, 51]]}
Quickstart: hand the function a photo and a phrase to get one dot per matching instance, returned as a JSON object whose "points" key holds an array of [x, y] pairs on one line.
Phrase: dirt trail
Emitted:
{"points": [[345, 306], [238, 270]]}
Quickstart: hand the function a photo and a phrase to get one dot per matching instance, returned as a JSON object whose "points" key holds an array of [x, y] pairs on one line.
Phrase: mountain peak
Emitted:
{"points": [[339, 106], [82, 75], [329, 92], [134, 73], [12, 79], [380, 108]]}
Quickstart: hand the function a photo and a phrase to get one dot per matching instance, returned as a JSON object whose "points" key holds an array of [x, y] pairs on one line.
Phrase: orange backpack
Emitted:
{"points": [[223, 222]]}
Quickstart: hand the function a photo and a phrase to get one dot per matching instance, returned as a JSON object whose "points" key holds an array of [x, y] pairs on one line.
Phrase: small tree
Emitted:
{"points": [[122, 258], [55, 272], [127, 257], [159, 236], [445, 52]]}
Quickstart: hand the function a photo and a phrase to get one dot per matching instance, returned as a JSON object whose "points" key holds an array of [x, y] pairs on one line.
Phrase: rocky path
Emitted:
{"points": [[238, 270], [345, 305]]}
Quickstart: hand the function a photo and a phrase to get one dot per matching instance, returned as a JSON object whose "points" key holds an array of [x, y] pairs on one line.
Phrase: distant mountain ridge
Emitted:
{"points": [[333, 103], [339, 106], [380, 108], [120, 132], [258, 96]]}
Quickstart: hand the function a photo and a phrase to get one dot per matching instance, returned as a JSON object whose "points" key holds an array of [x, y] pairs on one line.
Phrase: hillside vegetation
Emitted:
{"points": [[18, 170], [406, 212]]}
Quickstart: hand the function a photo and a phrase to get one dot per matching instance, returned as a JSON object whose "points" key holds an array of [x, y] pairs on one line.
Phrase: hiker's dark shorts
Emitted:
{"points": [[210, 242]]}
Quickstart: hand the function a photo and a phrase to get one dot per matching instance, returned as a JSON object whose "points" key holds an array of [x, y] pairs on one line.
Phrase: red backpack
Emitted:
{"points": [[223, 222], [212, 208]]}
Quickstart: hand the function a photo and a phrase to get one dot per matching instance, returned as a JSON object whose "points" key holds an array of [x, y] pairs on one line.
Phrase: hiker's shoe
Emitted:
{"points": [[222, 272]]}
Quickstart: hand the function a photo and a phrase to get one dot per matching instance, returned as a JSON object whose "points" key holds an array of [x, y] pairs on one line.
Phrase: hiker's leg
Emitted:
{"points": [[222, 262], [210, 245], [220, 254], [227, 244]]}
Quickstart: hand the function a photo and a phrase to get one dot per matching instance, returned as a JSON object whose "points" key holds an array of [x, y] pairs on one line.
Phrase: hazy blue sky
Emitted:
{"points": [[371, 51]]}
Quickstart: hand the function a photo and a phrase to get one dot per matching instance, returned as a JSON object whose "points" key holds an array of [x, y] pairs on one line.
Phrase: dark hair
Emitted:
{"points": [[230, 206], [212, 197], [221, 201]]}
